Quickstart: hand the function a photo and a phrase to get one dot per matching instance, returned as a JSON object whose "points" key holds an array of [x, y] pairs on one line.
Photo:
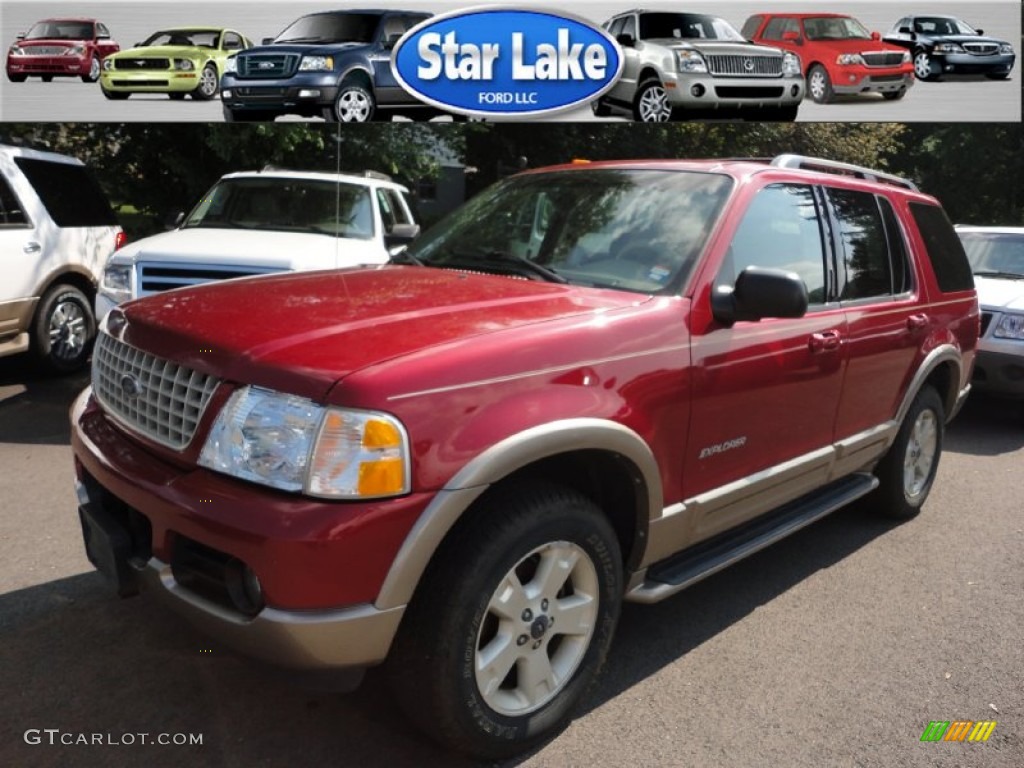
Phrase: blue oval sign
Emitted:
{"points": [[501, 61]]}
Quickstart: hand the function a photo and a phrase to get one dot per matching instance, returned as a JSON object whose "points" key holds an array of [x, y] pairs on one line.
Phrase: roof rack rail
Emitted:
{"points": [[831, 166], [377, 175]]}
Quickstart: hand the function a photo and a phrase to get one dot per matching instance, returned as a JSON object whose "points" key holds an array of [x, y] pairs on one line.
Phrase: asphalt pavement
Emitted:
{"points": [[836, 647]]}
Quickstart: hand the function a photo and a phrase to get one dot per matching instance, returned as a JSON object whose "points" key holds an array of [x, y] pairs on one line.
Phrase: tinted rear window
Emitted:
{"points": [[69, 193], [946, 253]]}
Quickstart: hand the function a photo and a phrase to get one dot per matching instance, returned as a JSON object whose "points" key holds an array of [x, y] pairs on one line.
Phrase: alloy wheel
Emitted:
{"points": [[922, 449]]}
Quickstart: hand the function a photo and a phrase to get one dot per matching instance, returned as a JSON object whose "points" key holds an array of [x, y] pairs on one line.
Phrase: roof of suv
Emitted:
{"points": [[38, 154], [370, 178]]}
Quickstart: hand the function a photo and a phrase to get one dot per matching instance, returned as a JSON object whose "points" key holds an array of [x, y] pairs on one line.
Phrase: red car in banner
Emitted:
{"points": [[60, 48]]}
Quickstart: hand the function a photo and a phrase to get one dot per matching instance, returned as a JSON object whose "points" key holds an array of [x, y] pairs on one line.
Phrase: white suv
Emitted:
{"points": [[259, 222], [56, 232]]}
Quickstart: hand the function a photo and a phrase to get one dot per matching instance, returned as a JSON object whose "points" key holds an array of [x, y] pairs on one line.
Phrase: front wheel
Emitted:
{"points": [[997, 75], [651, 105], [511, 623], [354, 104], [923, 66], [894, 95], [600, 109], [115, 95], [64, 329], [94, 71], [208, 83], [819, 85], [907, 471], [16, 78]]}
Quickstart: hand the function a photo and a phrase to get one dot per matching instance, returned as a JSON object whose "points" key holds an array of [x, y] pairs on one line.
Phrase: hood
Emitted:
{"points": [[961, 39], [252, 247], [1000, 293], [315, 49], [303, 332], [859, 45], [55, 41], [158, 51], [719, 47]]}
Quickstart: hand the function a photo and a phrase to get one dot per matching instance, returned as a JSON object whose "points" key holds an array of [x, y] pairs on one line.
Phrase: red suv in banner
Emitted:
{"points": [[839, 55], [60, 48]]}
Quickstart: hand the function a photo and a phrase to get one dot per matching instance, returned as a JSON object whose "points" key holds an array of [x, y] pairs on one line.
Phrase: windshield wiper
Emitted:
{"points": [[520, 263], [996, 273], [404, 257]]}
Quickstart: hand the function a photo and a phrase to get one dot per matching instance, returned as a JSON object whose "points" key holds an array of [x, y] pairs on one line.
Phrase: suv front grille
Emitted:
{"points": [[155, 277], [745, 66], [267, 65], [159, 399], [44, 50], [137, 65], [981, 49], [883, 59]]}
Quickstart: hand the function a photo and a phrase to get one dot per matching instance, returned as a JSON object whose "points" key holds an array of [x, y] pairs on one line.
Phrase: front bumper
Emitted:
{"points": [[970, 64], [67, 66], [151, 81], [303, 93], [706, 91], [998, 372], [320, 564], [858, 79]]}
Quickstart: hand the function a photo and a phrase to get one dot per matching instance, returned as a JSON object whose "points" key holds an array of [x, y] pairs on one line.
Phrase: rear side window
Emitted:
{"points": [[69, 193], [11, 214], [946, 253], [864, 245]]}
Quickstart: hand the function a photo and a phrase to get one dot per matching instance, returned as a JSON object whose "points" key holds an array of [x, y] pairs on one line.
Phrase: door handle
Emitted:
{"points": [[32, 247], [826, 341], [917, 322]]}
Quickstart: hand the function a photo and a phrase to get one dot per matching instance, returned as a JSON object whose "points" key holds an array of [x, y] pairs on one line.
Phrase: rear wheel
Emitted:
{"points": [[511, 623], [907, 471], [600, 109], [819, 85], [64, 329]]}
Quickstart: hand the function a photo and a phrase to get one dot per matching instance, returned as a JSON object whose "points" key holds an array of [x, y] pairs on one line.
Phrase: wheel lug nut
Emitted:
{"points": [[527, 615], [544, 604], [521, 640], [536, 645]]}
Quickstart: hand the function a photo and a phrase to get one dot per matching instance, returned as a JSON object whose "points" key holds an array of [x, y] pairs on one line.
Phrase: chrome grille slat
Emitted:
{"points": [[733, 65], [981, 49], [173, 398], [264, 65], [883, 58], [44, 50]]}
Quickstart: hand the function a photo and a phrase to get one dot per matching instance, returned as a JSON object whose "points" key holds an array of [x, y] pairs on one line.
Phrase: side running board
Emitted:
{"points": [[678, 572]]}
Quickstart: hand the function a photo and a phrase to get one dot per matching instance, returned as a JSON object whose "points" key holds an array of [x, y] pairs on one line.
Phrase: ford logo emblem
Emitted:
{"points": [[131, 387], [502, 61]]}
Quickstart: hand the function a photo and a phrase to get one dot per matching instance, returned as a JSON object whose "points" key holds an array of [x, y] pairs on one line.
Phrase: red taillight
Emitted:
{"points": [[120, 240]]}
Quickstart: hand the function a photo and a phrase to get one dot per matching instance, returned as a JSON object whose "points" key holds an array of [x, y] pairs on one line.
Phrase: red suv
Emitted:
{"points": [[60, 48], [590, 384], [839, 55]]}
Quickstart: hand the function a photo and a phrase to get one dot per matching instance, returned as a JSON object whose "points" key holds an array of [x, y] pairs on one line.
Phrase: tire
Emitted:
{"points": [[94, 71], [600, 109], [923, 69], [998, 75], [819, 85], [894, 95], [115, 95], [247, 116], [47, 78], [209, 83], [63, 329], [490, 567], [651, 105], [906, 473], [354, 104], [176, 96], [16, 78]]}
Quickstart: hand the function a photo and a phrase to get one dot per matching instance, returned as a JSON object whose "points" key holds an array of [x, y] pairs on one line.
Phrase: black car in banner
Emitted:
{"points": [[945, 45]]}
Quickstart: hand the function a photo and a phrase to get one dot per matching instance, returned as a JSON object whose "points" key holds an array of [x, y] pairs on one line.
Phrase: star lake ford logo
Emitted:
{"points": [[502, 61]]}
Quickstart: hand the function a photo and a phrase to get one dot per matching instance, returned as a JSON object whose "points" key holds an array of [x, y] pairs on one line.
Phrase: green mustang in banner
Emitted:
{"points": [[177, 62]]}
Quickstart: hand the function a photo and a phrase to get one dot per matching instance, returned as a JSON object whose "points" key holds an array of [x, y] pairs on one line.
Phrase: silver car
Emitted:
{"points": [[692, 64], [997, 260]]}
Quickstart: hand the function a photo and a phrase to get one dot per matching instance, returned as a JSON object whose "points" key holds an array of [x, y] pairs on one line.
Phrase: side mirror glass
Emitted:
{"points": [[626, 40], [267, 40]]}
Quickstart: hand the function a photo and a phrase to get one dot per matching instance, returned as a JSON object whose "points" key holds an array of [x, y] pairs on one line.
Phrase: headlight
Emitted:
{"points": [[849, 59], [75, 50], [16, 51], [108, 64], [1005, 48], [316, 64], [117, 278], [948, 48], [293, 444], [185, 65], [1010, 327], [791, 64], [231, 65], [690, 61]]}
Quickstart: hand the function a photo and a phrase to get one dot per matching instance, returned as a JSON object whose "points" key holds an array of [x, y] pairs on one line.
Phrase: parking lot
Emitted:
{"points": [[836, 647]]}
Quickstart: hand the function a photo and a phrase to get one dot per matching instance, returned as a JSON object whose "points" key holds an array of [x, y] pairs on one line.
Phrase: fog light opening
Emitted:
{"points": [[244, 588], [697, 90], [309, 93], [225, 94], [794, 91]]}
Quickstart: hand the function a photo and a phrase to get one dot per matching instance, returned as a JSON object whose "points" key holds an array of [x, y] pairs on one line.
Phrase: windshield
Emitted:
{"points": [[286, 205], [60, 30], [994, 253], [636, 230], [686, 26], [203, 38], [835, 28], [332, 28], [941, 25]]}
